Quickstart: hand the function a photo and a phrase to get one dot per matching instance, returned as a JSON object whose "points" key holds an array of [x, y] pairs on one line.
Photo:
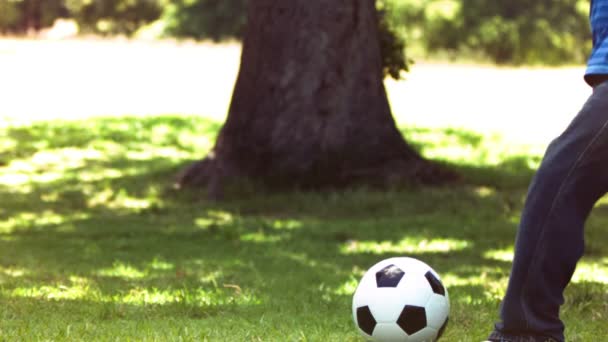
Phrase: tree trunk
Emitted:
{"points": [[309, 107]]}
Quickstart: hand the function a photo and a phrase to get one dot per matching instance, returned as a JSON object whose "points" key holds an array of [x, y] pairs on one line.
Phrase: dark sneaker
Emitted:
{"points": [[500, 337]]}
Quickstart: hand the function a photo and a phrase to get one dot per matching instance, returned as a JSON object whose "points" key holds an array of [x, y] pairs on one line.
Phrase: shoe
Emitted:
{"points": [[500, 337]]}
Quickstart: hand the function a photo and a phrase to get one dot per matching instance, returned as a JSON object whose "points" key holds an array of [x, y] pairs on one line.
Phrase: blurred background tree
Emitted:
{"points": [[205, 19], [114, 16], [515, 32]]}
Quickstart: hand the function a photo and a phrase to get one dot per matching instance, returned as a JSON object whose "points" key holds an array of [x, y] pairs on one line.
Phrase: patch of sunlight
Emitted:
{"points": [[155, 152], [489, 149], [117, 200], [47, 166], [162, 131], [591, 272], [493, 289], [150, 296], [260, 237], [93, 175], [406, 245], [66, 158], [50, 197], [500, 254], [515, 219], [121, 270], [585, 271], [286, 224], [194, 140], [14, 180], [305, 260], [56, 159], [200, 297], [78, 289], [160, 265], [23, 179], [214, 218], [7, 144], [13, 272], [36, 219], [443, 9], [109, 148], [484, 191], [347, 288], [211, 278], [15, 184], [602, 201]]}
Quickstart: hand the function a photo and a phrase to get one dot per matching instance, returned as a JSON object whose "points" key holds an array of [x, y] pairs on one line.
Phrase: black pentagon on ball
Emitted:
{"points": [[366, 320], [435, 283], [412, 319], [390, 276]]}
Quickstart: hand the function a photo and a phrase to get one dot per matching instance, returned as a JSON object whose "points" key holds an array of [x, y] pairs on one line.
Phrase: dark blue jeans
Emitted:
{"points": [[572, 177]]}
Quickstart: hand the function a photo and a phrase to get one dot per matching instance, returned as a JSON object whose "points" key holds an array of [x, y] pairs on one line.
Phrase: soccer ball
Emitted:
{"points": [[401, 299]]}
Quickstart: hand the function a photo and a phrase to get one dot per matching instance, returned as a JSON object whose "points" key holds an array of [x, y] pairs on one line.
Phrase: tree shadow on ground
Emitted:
{"points": [[107, 239]]}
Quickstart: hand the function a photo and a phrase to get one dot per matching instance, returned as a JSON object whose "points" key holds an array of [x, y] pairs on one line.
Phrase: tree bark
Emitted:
{"points": [[309, 107]]}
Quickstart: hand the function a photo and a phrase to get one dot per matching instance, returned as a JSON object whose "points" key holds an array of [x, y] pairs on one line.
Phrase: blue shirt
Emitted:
{"points": [[598, 61]]}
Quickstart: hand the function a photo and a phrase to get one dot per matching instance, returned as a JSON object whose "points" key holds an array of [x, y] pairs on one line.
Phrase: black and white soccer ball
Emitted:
{"points": [[401, 299]]}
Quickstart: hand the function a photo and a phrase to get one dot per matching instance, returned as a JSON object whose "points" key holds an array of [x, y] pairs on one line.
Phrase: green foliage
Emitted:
{"points": [[24, 15], [114, 16], [516, 32], [392, 44], [95, 246], [226, 19], [206, 19], [99, 16], [9, 15]]}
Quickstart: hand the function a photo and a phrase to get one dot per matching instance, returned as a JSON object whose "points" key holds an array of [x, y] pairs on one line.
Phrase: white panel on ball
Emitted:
{"points": [[389, 332], [437, 310]]}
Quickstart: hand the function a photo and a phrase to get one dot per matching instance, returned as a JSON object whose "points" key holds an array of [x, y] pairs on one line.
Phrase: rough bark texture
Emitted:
{"points": [[309, 108]]}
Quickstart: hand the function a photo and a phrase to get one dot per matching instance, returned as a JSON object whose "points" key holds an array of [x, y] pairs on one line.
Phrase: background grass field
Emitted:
{"points": [[96, 245]]}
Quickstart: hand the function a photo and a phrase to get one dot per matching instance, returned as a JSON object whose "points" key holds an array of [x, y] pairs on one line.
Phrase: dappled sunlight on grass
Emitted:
{"points": [[586, 271], [12, 272], [484, 191], [122, 270], [260, 237], [26, 220], [83, 288], [490, 279], [500, 254], [97, 174], [348, 288], [160, 265], [108, 198], [590, 271], [90, 231], [214, 218], [286, 224], [198, 297], [460, 145], [47, 166], [406, 245], [152, 152]]}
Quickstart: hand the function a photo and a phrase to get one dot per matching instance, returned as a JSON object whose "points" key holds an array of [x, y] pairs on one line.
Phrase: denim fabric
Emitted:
{"points": [[572, 177]]}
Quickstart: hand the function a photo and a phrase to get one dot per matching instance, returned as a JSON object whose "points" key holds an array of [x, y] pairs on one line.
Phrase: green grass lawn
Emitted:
{"points": [[95, 244]]}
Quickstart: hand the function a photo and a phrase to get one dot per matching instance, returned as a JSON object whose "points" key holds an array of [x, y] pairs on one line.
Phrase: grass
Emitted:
{"points": [[94, 244]]}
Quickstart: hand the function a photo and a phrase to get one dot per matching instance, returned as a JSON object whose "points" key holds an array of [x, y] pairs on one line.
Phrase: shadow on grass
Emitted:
{"points": [[104, 239]]}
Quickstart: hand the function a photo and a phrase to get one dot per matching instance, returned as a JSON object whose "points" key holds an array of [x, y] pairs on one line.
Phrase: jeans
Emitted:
{"points": [[571, 178]]}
